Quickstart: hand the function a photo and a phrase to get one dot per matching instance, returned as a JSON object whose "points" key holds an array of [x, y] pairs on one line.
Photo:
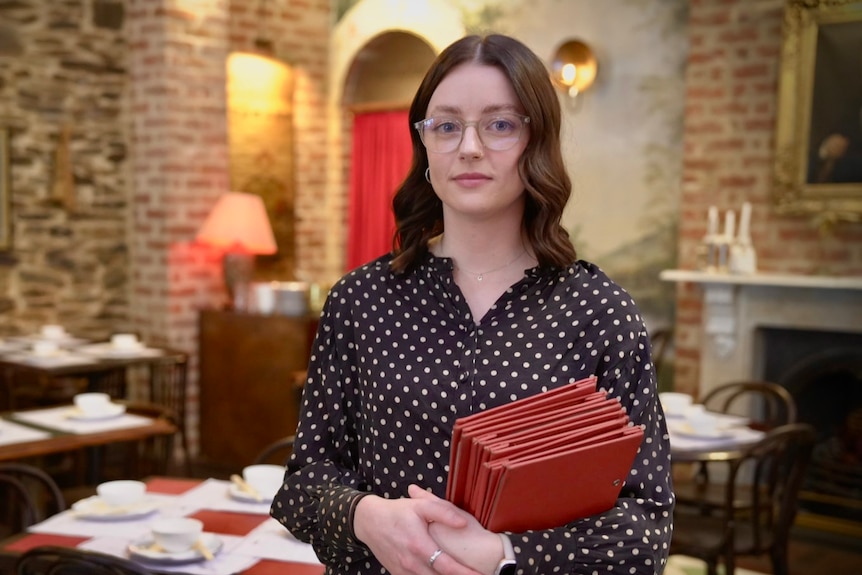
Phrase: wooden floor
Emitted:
{"points": [[816, 553]]}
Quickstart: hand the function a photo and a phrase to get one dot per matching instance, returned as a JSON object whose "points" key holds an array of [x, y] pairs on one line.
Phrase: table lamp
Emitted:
{"points": [[238, 224]]}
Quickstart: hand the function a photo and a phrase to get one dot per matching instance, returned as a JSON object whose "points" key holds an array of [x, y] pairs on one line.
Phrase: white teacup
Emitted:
{"points": [[176, 534], [264, 478], [701, 421], [121, 493], [92, 403], [45, 347], [674, 403], [125, 341], [53, 331]]}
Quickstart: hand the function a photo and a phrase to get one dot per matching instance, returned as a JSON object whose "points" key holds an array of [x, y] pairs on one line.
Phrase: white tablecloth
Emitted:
{"points": [[58, 418], [11, 432], [269, 540]]}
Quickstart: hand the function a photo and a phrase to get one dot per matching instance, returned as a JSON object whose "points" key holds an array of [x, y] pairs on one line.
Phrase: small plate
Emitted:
{"points": [[240, 495], [108, 351], [95, 509], [141, 549], [683, 429], [114, 410]]}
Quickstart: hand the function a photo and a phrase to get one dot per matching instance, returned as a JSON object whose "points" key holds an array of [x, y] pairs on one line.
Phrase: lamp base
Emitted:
{"points": [[238, 269]]}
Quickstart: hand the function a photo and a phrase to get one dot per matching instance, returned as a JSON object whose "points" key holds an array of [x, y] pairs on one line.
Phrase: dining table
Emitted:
{"points": [[33, 433], [238, 531], [43, 431], [729, 436], [27, 375]]}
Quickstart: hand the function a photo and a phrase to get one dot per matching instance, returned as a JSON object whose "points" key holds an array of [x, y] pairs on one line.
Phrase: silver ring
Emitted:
{"points": [[434, 557]]}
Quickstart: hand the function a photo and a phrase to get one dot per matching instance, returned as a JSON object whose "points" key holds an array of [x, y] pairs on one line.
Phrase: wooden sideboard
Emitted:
{"points": [[250, 382]]}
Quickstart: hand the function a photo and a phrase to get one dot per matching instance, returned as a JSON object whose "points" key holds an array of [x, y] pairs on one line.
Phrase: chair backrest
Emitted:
{"points": [[661, 342], [775, 467], [28, 495], [154, 455], [277, 452], [167, 387], [52, 560], [768, 404]]}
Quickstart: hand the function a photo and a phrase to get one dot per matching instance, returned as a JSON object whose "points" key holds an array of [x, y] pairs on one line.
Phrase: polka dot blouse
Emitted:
{"points": [[398, 358]]}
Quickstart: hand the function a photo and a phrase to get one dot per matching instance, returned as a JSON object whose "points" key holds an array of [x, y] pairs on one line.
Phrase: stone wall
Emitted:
{"points": [[63, 77]]}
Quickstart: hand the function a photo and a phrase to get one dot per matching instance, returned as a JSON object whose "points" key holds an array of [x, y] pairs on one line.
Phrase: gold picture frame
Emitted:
{"points": [[5, 193], [817, 171]]}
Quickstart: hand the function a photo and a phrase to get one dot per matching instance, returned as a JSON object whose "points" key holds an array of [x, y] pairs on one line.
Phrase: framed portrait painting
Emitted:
{"points": [[818, 155]]}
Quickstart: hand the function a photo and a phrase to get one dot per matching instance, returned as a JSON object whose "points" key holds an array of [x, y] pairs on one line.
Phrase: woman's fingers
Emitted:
{"points": [[436, 509]]}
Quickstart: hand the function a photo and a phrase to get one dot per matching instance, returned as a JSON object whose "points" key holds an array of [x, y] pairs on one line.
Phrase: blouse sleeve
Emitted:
{"points": [[633, 537], [322, 486]]}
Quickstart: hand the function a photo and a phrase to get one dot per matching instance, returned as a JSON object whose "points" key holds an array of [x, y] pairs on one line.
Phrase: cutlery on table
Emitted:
{"points": [[243, 485], [201, 547]]}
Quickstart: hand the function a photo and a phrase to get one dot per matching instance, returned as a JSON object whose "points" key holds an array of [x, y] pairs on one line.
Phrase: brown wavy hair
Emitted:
{"points": [[418, 210]]}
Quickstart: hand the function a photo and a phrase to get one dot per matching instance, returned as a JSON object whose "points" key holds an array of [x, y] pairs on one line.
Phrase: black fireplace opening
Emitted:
{"points": [[822, 370]]}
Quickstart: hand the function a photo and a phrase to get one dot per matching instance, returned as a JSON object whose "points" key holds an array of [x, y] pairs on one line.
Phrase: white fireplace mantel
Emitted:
{"points": [[764, 279], [736, 305]]}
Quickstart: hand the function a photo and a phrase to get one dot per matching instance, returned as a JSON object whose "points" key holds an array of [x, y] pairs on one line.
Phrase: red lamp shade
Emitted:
{"points": [[238, 223]]}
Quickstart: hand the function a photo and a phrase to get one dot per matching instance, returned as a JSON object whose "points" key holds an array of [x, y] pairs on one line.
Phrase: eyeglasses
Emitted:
{"points": [[498, 132]]}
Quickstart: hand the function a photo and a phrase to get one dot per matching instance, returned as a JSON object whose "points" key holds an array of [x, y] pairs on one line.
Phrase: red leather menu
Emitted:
{"points": [[542, 461]]}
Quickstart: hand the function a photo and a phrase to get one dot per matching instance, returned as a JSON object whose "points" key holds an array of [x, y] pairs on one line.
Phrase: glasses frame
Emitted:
{"points": [[422, 124]]}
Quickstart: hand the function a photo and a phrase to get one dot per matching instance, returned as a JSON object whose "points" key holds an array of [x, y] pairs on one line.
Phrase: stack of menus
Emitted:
{"points": [[542, 461]]}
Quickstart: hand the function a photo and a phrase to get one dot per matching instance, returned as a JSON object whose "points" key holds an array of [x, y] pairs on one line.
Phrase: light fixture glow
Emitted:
{"points": [[574, 68], [238, 224]]}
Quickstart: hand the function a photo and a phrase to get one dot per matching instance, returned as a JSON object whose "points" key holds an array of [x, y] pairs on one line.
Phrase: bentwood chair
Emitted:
{"points": [[767, 405], [661, 344], [167, 387], [768, 476], [52, 560], [277, 452], [132, 459], [153, 456], [27, 495]]}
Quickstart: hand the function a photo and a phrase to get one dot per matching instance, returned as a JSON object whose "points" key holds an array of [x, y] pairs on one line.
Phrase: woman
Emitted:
{"points": [[481, 302]]}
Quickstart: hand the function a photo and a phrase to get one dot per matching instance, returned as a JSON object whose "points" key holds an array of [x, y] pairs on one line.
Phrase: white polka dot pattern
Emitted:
{"points": [[398, 358]]}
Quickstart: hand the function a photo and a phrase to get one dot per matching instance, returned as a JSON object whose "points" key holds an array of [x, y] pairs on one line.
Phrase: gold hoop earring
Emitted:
{"points": [[428, 175]]}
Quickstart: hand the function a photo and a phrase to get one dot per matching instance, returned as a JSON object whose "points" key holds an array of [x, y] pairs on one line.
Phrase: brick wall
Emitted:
{"points": [[298, 32], [732, 80], [177, 128]]}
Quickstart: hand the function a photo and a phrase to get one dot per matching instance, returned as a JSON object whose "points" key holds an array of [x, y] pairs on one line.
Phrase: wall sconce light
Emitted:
{"points": [[238, 224], [574, 68]]}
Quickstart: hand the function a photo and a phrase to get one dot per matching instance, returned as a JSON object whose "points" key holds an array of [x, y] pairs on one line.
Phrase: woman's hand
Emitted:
{"points": [[470, 543], [397, 532]]}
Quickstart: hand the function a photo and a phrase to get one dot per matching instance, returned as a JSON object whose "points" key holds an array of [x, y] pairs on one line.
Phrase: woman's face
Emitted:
{"points": [[474, 180]]}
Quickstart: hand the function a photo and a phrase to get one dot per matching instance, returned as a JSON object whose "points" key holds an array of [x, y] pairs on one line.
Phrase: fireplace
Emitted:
{"points": [[822, 370], [804, 332]]}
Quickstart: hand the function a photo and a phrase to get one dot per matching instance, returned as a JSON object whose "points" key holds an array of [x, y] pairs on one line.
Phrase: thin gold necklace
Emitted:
{"points": [[480, 276]]}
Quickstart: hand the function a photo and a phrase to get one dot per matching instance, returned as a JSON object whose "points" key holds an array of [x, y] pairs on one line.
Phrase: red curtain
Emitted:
{"points": [[379, 162]]}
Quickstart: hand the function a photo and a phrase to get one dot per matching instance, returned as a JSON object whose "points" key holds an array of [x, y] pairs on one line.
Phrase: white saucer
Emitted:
{"points": [[684, 429], [113, 410], [65, 340], [107, 350], [94, 508], [141, 549], [236, 493]]}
